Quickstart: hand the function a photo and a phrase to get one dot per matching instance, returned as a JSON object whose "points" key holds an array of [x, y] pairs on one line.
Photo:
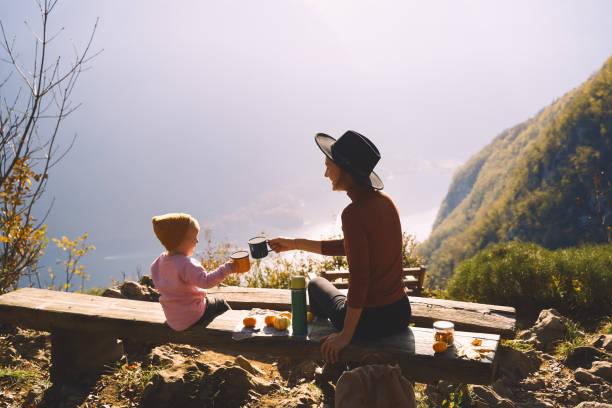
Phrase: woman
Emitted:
{"points": [[376, 304]]}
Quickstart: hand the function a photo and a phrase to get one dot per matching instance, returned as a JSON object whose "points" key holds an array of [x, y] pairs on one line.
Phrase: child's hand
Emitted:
{"points": [[282, 244]]}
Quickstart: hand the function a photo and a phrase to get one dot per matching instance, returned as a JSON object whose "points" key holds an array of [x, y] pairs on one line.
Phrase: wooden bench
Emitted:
{"points": [[466, 316], [413, 279], [84, 332]]}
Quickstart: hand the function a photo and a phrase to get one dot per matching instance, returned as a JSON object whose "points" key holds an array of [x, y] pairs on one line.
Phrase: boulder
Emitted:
{"points": [[584, 377], [172, 387], [162, 356], [232, 387], [146, 280], [548, 329], [604, 341], [602, 369], [484, 397], [145, 290], [583, 356], [133, 290], [246, 364], [113, 292], [516, 364], [533, 383], [304, 370]]}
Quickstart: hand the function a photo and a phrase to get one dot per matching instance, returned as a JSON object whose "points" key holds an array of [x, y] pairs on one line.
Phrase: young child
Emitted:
{"points": [[180, 279]]}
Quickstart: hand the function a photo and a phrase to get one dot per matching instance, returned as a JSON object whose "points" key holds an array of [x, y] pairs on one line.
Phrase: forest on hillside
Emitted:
{"points": [[547, 180]]}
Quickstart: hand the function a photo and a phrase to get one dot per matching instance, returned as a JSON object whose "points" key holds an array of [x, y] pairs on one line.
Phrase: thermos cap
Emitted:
{"points": [[298, 282]]}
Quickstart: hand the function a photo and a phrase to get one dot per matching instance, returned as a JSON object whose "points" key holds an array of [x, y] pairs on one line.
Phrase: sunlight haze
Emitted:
{"points": [[211, 108]]}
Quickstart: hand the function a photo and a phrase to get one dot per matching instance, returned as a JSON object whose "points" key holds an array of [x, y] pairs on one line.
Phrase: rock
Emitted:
{"points": [[145, 290], [602, 369], [172, 387], [113, 292], [163, 356], [583, 356], [501, 387], [302, 396], [593, 404], [585, 393], [246, 364], [533, 383], [516, 364], [146, 280], [303, 371], [548, 329], [606, 394], [604, 341], [232, 387], [584, 377], [133, 290], [485, 397]]}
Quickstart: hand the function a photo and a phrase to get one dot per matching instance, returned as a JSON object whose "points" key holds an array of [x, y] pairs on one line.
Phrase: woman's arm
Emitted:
{"points": [[334, 343], [288, 244]]}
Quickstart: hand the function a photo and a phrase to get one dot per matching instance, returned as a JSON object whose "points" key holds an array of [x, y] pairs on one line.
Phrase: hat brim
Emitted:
{"points": [[325, 143]]}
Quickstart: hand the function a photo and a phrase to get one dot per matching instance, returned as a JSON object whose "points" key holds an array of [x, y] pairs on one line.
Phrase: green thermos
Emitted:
{"points": [[298, 305]]}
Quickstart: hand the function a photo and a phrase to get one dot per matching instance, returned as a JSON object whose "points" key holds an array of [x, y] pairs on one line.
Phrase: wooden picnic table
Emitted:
{"points": [[84, 332], [466, 316]]}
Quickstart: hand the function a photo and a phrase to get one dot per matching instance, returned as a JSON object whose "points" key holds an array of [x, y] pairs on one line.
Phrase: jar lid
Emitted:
{"points": [[443, 325], [298, 282]]}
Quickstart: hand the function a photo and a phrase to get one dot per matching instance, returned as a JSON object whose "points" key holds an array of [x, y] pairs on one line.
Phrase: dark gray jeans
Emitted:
{"points": [[214, 307], [375, 322]]}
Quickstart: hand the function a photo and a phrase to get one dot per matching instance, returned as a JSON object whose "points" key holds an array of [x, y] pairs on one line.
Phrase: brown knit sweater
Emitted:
{"points": [[373, 246]]}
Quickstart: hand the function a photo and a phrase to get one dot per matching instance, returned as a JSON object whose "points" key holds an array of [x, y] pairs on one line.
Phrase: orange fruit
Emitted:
{"points": [[269, 320], [281, 323], [439, 347], [287, 315], [249, 322]]}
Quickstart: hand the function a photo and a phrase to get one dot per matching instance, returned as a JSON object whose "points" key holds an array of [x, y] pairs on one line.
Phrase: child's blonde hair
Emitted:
{"points": [[171, 228]]}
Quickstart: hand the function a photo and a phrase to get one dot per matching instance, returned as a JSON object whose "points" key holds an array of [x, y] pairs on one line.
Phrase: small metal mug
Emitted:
{"points": [[259, 247], [241, 259]]}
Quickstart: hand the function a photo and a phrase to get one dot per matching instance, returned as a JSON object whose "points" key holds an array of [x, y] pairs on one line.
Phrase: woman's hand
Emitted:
{"points": [[332, 345], [282, 244]]}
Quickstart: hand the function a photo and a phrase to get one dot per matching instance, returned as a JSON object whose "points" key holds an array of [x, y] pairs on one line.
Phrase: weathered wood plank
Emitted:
{"points": [[467, 316], [50, 310], [408, 281]]}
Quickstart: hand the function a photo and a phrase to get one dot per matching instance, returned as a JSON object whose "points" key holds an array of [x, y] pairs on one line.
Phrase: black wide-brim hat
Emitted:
{"points": [[353, 153]]}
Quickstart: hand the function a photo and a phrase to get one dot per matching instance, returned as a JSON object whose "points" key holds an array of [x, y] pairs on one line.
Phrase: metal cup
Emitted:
{"points": [[241, 259], [259, 247]]}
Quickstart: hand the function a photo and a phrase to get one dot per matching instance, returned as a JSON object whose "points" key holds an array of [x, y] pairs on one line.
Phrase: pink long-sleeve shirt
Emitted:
{"points": [[181, 281]]}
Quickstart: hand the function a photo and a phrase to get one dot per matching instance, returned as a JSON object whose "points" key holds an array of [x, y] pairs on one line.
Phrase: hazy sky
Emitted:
{"points": [[211, 107]]}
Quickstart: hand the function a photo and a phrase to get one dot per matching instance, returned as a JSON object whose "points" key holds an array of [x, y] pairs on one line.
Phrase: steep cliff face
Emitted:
{"points": [[547, 180]]}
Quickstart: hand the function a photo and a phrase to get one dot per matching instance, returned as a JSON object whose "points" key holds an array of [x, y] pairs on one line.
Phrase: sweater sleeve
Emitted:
{"points": [[334, 247], [358, 258], [195, 274]]}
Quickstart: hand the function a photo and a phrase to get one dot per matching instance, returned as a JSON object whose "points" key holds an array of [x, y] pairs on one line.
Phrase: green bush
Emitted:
{"points": [[525, 275]]}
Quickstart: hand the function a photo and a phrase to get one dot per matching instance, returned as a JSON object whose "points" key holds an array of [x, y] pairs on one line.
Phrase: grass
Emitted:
{"points": [[606, 327], [517, 345], [574, 337], [95, 291], [132, 378], [25, 377]]}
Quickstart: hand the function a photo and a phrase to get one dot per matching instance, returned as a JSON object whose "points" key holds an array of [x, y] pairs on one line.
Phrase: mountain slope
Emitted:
{"points": [[547, 180]]}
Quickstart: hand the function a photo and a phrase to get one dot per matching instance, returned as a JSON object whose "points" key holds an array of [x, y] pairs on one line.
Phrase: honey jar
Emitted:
{"points": [[444, 331]]}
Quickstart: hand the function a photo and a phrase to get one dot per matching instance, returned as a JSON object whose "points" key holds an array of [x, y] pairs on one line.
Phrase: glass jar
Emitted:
{"points": [[444, 331]]}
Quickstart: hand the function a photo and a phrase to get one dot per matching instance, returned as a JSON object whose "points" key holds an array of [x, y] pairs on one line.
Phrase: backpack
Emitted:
{"points": [[376, 386]]}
